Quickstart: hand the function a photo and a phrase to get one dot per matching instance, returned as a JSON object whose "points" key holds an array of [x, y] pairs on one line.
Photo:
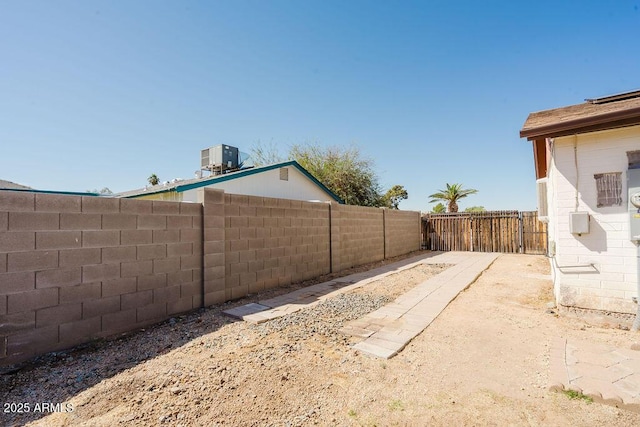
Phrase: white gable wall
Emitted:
{"points": [[269, 184], [611, 282]]}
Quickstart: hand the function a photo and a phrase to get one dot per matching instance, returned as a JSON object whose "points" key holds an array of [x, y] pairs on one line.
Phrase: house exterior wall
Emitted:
{"points": [[267, 184], [169, 196], [611, 282]]}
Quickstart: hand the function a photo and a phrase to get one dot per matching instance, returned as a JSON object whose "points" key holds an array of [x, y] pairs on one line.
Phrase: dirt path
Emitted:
{"points": [[483, 361]]}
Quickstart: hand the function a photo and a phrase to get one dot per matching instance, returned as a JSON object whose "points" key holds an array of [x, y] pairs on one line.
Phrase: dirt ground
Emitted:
{"points": [[483, 361]]}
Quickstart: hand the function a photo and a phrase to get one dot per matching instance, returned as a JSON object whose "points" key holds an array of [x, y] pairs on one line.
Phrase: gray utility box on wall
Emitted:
{"points": [[633, 183], [579, 223]]}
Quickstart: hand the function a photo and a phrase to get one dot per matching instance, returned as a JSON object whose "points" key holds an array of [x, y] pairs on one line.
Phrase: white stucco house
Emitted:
{"points": [[587, 160], [286, 180]]}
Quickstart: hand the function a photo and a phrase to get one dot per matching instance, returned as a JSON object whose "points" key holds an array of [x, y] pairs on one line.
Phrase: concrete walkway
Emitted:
{"points": [[606, 374], [389, 329], [308, 296]]}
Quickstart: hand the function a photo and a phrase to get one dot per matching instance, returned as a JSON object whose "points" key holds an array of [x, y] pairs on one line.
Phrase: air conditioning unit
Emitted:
{"points": [[204, 158], [541, 192], [219, 158]]}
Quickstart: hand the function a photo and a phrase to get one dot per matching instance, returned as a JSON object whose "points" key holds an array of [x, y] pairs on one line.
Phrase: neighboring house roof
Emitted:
{"points": [[12, 186], [609, 112], [62, 193], [190, 184], [8, 185]]}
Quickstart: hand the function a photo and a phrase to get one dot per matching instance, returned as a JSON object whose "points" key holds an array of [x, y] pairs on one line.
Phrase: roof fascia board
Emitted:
{"points": [[586, 129], [540, 157], [606, 121]]}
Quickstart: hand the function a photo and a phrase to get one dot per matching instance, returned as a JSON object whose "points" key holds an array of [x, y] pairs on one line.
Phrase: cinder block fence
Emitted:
{"points": [[76, 268]]}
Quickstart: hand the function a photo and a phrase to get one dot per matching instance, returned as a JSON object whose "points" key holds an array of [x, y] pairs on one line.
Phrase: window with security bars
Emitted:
{"points": [[609, 187]]}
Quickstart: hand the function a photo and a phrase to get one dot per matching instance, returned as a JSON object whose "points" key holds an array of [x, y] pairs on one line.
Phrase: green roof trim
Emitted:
{"points": [[63, 193], [239, 174]]}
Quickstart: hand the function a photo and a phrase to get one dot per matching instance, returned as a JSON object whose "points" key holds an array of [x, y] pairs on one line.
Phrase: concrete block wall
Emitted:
{"points": [[75, 268], [271, 242], [214, 271], [401, 232], [357, 236]]}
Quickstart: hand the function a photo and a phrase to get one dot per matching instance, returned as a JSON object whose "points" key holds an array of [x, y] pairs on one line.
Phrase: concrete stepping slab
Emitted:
{"points": [[375, 350], [245, 310], [356, 331], [607, 375], [629, 385]]}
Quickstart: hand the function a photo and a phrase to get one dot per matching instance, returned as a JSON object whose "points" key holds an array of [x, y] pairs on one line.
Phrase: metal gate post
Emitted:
{"points": [[520, 233]]}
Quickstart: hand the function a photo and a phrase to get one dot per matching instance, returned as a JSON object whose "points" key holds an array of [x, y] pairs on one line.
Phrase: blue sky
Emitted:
{"points": [[102, 94]]}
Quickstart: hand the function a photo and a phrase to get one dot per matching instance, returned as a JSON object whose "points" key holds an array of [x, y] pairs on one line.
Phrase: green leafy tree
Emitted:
{"points": [[394, 196], [343, 170], [153, 179], [451, 195], [105, 191], [439, 208], [265, 154], [475, 209]]}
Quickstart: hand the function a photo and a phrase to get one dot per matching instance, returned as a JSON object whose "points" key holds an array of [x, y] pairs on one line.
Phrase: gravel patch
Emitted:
{"points": [[599, 318], [330, 315], [326, 317]]}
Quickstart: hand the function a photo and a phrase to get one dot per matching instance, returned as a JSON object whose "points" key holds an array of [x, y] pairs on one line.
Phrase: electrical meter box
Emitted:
{"points": [[579, 222], [633, 183]]}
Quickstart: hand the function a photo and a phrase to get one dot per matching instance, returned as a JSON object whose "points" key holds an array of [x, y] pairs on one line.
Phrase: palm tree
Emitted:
{"points": [[153, 179], [439, 208], [451, 195]]}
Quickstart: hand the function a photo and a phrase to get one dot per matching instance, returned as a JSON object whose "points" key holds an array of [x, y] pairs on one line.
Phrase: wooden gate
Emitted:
{"points": [[493, 231], [534, 234]]}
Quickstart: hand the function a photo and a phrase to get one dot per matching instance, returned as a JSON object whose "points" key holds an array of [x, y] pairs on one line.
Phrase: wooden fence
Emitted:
{"points": [[494, 231]]}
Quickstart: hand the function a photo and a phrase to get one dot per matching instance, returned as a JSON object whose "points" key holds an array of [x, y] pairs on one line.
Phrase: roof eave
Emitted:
{"points": [[144, 193], [613, 120], [247, 172]]}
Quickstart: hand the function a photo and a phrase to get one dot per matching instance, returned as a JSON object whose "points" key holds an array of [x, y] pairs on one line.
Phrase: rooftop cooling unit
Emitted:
{"points": [[219, 159]]}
